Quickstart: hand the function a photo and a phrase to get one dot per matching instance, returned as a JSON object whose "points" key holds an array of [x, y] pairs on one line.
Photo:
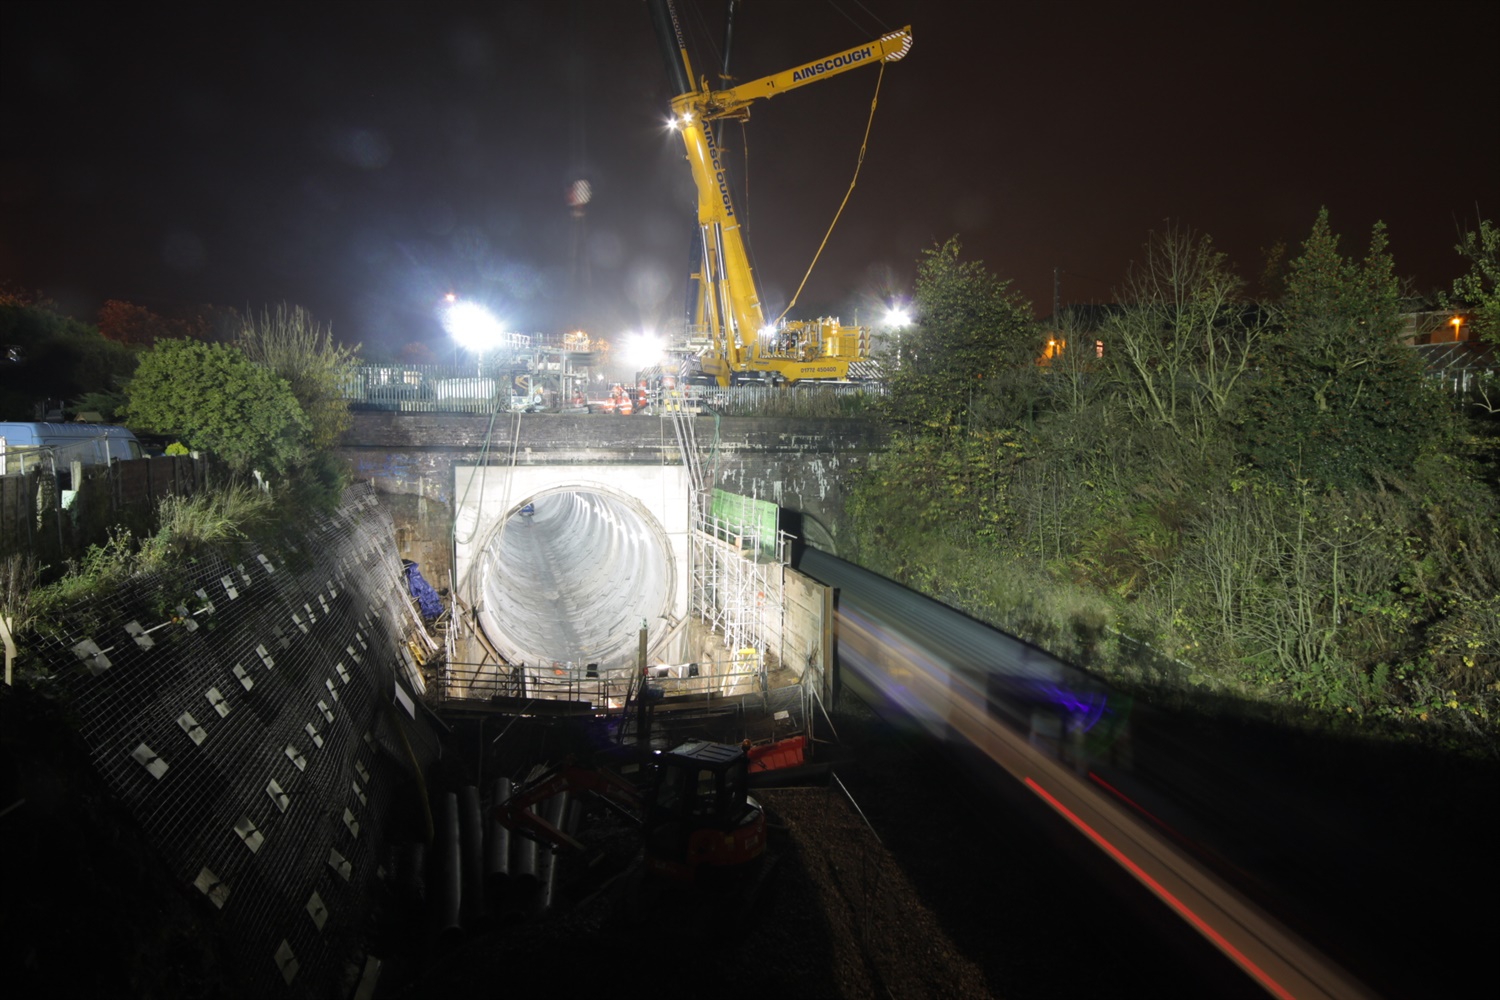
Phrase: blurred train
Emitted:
{"points": [[1122, 777]]}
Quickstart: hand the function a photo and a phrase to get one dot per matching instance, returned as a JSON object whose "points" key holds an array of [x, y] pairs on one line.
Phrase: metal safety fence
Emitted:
{"points": [[244, 713], [459, 681]]}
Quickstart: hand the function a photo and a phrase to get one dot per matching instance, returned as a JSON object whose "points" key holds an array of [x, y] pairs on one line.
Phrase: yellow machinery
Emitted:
{"points": [[726, 307]]}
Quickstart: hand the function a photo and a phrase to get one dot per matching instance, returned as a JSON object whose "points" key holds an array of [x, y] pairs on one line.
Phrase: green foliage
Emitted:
{"points": [[1279, 509], [213, 519], [301, 352], [1479, 290], [1181, 349], [217, 400], [109, 405], [219, 520], [102, 568], [1339, 396], [956, 482], [18, 576], [972, 338], [65, 359]]}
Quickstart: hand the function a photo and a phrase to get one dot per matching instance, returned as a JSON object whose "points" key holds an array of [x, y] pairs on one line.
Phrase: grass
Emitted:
{"points": [[212, 520]]}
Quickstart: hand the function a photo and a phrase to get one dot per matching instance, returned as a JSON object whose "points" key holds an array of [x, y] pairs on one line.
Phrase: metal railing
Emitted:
{"points": [[474, 388], [608, 692]]}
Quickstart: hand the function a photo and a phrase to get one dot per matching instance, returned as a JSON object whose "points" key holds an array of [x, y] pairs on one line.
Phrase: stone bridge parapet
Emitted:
{"points": [[801, 464]]}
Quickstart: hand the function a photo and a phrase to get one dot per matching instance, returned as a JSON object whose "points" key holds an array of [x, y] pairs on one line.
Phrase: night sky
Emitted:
{"points": [[364, 159]]}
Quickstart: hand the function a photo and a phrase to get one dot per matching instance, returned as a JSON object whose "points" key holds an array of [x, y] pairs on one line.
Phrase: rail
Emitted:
{"points": [[707, 680]]}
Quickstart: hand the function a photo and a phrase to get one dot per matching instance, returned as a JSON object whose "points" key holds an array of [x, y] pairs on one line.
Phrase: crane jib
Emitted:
{"points": [[829, 65]]}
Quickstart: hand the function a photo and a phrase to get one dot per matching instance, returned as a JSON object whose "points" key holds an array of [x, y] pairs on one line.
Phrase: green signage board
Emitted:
{"points": [[742, 515]]}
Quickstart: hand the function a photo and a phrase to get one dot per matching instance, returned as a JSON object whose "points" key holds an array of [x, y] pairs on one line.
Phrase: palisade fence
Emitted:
{"points": [[496, 387], [254, 717], [472, 388]]}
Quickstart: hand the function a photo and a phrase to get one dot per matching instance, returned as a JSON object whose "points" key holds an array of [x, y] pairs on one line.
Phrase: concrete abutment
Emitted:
{"points": [[607, 535]]}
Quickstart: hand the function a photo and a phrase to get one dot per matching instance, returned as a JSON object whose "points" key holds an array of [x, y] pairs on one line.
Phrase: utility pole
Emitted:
{"points": [[1056, 295]]}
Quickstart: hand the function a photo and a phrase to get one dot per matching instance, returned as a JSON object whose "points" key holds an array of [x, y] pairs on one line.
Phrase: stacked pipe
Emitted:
{"points": [[478, 867], [497, 841], [553, 812], [446, 890], [471, 847]]}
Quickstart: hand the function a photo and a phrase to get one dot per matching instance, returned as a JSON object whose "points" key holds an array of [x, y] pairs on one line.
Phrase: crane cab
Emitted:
{"points": [[698, 812]]}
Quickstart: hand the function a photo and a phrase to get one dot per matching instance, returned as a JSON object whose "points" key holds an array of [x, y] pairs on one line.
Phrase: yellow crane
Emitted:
{"points": [[726, 308]]}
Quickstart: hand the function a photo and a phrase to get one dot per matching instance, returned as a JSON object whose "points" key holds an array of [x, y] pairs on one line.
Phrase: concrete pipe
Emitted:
{"points": [[553, 811], [445, 887], [471, 856], [571, 579], [497, 841]]}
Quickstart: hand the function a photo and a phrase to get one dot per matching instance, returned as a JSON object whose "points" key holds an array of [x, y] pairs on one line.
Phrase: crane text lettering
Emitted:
{"points": [[829, 65], [719, 178]]}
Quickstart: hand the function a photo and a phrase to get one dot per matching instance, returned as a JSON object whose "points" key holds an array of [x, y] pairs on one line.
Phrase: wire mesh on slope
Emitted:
{"points": [[242, 711]]}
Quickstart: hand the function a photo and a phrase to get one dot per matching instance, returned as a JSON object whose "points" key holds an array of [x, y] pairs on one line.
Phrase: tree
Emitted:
{"points": [[1477, 294], [217, 400], [292, 344], [63, 359], [1182, 344], [1479, 290], [1340, 396], [972, 335], [136, 326]]}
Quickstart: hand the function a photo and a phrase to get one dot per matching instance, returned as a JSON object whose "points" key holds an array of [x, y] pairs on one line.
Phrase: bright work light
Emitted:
{"points": [[641, 350], [897, 317], [473, 327]]}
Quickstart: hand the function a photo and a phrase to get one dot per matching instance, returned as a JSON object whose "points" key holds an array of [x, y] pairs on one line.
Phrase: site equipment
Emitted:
{"points": [[694, 811], [724, 305]]}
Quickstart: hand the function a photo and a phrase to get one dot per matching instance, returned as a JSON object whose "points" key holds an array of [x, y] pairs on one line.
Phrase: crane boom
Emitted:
{"points": [[890, 47], [726, 311]]}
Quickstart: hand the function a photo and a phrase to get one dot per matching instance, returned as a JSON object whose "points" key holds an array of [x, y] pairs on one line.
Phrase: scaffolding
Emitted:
{"points": [[736, 577], [736, 557]]}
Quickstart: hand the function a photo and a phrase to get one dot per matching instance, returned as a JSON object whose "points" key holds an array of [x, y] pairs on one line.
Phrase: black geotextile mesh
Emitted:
{"points": [[243, 712]]}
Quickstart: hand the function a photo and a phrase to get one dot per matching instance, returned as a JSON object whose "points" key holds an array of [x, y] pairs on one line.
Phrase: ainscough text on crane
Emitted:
{"points": [[829, 65]]}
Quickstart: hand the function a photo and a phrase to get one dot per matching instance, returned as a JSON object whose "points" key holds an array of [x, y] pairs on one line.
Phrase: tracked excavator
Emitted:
{"points": [[693, 812], [726, 318]]}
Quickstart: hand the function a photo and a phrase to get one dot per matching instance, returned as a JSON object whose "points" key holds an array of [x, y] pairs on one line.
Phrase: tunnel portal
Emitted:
{"points": [[565, 573]]}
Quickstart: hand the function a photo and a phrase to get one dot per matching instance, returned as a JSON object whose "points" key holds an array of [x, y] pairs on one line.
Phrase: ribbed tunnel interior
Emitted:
{"points": [[571, 579]]}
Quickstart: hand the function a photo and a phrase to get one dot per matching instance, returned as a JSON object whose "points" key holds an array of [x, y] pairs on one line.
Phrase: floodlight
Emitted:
{"points": [[473, 327], [641, 350], [898, 317]]}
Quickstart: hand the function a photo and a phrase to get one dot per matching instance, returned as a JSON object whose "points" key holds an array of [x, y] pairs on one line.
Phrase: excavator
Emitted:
{"points": [[725, 312], [693, 812]]}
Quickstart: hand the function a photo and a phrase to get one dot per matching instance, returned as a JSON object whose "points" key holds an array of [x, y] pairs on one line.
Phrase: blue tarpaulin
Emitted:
{"points": [[427, 598]]}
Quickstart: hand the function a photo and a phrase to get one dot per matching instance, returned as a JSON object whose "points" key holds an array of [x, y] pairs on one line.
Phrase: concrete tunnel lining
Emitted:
{"points": [[572, 581]]}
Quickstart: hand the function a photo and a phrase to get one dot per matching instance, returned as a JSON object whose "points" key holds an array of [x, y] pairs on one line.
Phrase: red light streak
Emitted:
{"points": [[1132, 803], [1183, 910]]}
